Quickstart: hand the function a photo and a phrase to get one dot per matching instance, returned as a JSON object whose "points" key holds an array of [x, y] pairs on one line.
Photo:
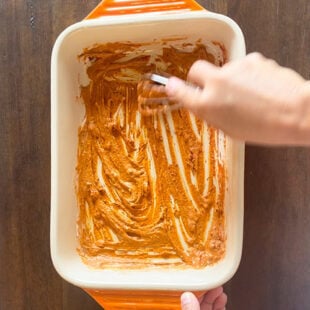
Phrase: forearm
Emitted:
{"points": [[289, 122], [304, 118], [254, 100]]}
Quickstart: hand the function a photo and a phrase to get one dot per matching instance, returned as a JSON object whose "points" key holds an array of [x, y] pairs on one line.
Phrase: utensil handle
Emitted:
{"points": [[113, 7]]}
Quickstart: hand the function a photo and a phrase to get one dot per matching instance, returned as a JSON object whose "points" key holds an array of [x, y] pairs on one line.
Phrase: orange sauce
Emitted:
{"points": [[150, 190]]}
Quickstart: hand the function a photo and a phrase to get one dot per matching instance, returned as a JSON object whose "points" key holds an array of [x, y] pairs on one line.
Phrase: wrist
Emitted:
{"points": [[304, 114]]}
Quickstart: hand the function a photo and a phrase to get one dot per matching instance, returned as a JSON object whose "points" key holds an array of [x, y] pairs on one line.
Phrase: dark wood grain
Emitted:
{"points": [[275, 269]]}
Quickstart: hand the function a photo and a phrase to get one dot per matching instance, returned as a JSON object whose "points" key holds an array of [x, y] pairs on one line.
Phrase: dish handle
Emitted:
{"points": [[143, 300], [138, 300], [114, 7]]}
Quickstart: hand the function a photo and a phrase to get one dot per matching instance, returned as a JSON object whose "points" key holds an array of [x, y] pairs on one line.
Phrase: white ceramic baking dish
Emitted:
{"points": [[110, 23]]}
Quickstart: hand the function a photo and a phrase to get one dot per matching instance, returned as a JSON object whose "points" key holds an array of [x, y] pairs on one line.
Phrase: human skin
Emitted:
{"points": [[252, 99], [214, 299]]}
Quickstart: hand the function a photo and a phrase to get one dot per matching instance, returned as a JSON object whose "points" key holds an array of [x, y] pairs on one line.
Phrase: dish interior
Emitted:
{"points": [[68, 113]]}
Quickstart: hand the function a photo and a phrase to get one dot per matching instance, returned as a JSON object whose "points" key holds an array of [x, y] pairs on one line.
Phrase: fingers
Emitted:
{"points": [[255, 56], [201, 72], [220, 302], [206, 79], [178, 91], [211, 295], [214, 300], [189, 301]]}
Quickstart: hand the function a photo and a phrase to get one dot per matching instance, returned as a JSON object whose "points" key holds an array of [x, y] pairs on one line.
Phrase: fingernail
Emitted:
{"points": [[173, 85], [186, 301]]}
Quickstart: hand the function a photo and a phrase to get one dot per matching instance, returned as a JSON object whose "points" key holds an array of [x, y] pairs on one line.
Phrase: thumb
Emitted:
{"points": [[189, 302], [183, 93], [203, 73]]}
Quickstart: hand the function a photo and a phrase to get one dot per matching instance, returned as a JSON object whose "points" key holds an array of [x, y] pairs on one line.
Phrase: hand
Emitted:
{"points": [[252, 99], [213, 300]]}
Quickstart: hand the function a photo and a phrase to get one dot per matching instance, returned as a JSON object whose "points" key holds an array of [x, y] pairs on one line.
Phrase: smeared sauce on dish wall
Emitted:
{"points": [[150, 189]]}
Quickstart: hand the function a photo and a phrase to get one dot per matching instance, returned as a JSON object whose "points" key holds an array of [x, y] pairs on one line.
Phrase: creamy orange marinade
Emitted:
{"points": [[150, 189]]}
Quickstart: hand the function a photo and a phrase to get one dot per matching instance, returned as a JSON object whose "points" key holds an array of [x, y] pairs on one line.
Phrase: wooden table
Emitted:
{"points": [[275, 268]]}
